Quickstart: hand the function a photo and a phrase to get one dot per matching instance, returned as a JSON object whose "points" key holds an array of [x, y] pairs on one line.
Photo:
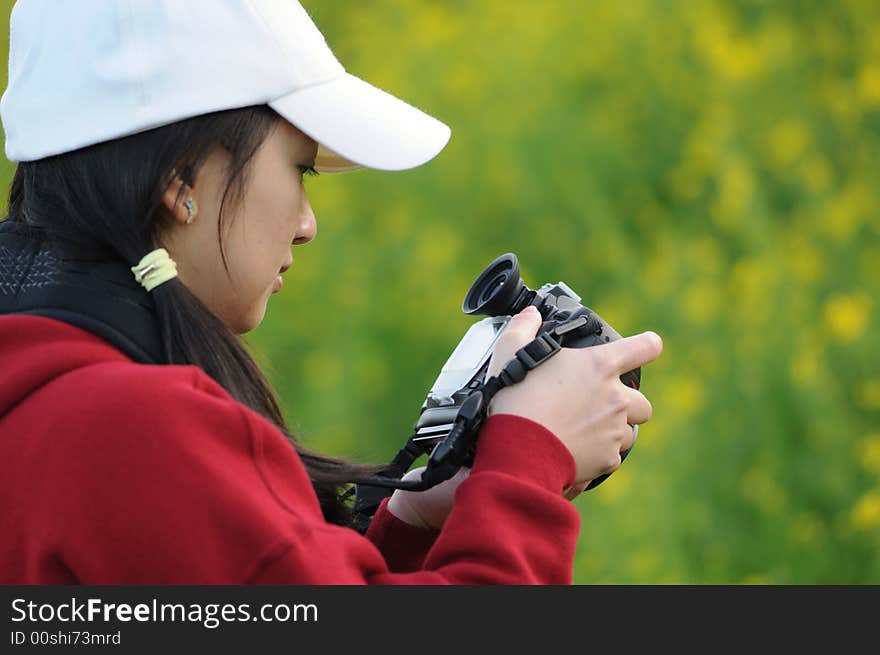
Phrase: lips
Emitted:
{"points": [[277, 284]]}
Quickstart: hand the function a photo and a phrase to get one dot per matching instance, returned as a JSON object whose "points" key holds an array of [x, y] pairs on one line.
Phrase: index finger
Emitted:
{"points": [[635, 351]]}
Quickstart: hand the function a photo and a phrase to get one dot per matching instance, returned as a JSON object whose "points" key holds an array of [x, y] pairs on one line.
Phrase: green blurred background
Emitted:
{"points": [[707, 170]]}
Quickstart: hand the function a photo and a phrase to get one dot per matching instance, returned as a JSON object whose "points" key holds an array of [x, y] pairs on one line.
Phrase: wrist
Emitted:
{"points": [[522, 447]]}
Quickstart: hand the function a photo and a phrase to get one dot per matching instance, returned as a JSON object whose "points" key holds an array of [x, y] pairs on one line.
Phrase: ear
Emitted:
{"points": [[174, 198]]}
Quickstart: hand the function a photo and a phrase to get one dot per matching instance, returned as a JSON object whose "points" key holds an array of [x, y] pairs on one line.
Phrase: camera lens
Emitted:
{"points": [[496, 290]]}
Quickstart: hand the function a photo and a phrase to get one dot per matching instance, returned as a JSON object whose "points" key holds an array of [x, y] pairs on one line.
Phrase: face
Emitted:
{"points": [[257, 238]]}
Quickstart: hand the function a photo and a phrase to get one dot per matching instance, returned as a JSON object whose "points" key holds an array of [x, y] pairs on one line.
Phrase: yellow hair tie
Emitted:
{"points": [[154, 269]]}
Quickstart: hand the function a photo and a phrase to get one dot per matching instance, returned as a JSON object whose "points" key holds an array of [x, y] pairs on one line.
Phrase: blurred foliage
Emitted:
{"points": [[707, 170]]}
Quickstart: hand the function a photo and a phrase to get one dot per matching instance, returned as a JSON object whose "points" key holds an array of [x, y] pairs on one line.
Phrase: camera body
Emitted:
{"points": [[499, 293]]}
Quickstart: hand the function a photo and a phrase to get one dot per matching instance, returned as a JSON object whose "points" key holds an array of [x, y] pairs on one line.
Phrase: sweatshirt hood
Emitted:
{"points": [[36, 350], [40, 279]]}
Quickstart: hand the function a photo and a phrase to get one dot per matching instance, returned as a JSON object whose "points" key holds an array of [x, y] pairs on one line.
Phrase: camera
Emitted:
{"points": [[455, 407], [498, 293]]}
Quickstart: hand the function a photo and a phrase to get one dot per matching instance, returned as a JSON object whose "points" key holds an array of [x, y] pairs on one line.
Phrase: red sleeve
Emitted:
{"points": [[164, 479], [403, 546], [509, 525]]}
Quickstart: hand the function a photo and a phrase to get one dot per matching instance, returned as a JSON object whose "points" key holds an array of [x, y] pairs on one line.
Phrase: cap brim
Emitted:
{"points": [[357, 124]]}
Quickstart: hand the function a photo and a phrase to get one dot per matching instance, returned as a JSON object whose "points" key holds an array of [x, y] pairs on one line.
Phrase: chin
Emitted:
{"points": [[249, 321]]}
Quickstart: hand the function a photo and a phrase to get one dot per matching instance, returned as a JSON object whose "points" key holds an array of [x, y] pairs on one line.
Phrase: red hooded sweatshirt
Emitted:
{"points": [[115, 472]]}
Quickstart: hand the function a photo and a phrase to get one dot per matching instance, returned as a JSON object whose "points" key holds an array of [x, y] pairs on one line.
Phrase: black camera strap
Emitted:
{"points": [[449, 455]]}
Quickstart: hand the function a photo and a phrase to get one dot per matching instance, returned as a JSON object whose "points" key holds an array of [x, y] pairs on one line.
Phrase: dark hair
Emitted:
{"points": [[106, 199]]}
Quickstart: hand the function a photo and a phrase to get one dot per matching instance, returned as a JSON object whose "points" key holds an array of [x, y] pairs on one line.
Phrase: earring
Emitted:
{"points": [[191, 210]]}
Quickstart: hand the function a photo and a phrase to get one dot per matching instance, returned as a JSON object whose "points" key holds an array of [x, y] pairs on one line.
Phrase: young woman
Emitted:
{"points": [[161, 148]]}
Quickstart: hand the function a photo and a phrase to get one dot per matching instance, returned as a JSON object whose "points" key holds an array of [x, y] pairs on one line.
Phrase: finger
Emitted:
{"points": [[629, 437], [635, 351], [520, 330], [638, 408], [615, 463], [575, 490], [414, 474]]}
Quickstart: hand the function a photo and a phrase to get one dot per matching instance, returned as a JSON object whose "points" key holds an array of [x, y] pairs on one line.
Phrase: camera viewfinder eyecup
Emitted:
{"points": [[499, 290]]}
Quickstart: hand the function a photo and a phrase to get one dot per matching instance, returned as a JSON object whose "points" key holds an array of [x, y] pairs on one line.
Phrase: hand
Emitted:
{"points": [[429, 508], [577, 394]]}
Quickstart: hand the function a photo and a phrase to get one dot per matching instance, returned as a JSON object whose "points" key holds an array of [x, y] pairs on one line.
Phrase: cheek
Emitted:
{"points": [[266, 242], [271, 220]]}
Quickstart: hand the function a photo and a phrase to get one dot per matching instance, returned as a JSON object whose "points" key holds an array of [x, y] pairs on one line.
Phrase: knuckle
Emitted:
{"points": [[605, 363], [618, 401], [612, 463], [640, 410], [506, 344], [515, 333], [595, 361]]}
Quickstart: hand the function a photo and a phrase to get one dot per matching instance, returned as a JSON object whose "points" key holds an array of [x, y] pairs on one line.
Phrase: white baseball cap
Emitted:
{"points": [[86, 71]]}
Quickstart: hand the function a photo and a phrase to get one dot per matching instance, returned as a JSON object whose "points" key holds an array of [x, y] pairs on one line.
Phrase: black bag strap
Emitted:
{"points": [[100, 296]]}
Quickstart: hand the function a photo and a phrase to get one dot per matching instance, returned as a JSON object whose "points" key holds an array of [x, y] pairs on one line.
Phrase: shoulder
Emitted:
{"points": [[177, 425], [147, 382], [144, 410], [125, 386], [182, 424]]}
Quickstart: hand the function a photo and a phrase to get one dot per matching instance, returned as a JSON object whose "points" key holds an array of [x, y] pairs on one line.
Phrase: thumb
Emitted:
{"points": [[521, 329]]}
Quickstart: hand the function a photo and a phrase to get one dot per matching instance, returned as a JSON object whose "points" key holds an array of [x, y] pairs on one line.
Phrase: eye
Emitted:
{"points": [[307, 170]]}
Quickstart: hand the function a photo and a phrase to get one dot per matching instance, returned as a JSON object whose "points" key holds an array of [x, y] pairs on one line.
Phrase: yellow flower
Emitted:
{"points": [[788, 141], [865, 514], [736, 188], [759, 486], [869, 86], [644, 563], [869, 394], [683, 397], [848, 211], [734, 57], [805, 530], [803, 259], [868, 452], [435, 24], [847, 315], [701, 302]]}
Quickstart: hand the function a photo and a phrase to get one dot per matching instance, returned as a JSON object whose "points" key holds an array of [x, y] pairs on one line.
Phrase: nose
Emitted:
{"points": [[307, 227]]}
